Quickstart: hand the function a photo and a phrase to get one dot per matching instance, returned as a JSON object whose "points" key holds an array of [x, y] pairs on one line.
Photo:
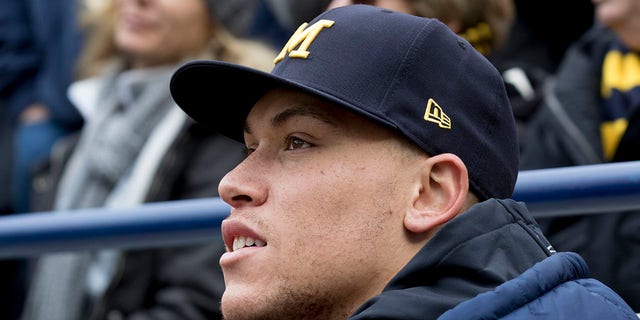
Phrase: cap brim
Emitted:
{"points": [[220, 95]]}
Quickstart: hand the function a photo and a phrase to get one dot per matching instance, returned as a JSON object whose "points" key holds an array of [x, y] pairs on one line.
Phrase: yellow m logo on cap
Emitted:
{"points": [[303, 38], [434, 113]]}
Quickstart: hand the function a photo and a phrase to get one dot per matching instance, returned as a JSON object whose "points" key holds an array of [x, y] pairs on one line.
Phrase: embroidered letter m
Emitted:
{"points": [[302, 38]]}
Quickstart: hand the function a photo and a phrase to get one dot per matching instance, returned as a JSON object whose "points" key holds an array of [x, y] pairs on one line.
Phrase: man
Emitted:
{"points": [[377, 149]]}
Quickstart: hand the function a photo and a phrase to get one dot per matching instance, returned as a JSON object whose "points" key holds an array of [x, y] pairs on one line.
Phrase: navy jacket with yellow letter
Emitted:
{"points": [[493, 262]]}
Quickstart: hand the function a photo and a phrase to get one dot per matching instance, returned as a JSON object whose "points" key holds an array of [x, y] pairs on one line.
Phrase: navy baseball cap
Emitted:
{"points": [[409, 73]]}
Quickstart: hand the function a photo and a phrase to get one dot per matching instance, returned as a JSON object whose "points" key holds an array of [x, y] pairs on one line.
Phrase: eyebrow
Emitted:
{"points": [[303, 110]]}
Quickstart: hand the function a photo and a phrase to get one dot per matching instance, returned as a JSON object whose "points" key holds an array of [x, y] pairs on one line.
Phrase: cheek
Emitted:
{"points": [[124, 39], [335, 236], [138, 42], [337, 203], [187, 33], [162, 43], [328, 220], [331, 190]]}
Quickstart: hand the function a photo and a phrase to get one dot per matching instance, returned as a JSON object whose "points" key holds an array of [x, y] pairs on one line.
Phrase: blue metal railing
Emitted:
{"points": [[580, 190], [561, 191], [151, 225]]}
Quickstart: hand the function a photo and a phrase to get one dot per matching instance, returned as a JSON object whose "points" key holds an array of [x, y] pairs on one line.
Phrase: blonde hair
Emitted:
{"points": [[484, 23], [98, 22]]}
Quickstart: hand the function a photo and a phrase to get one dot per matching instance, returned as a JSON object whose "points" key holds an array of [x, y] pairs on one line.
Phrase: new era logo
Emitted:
{"points": [[434, 113]]}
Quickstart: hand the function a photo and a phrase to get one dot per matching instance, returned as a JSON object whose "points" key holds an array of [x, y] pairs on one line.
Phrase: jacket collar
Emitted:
{"points": [[493, 242]]}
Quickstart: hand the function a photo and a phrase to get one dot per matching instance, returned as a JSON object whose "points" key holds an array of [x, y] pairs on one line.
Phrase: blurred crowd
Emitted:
{"points": [[87, 120]]}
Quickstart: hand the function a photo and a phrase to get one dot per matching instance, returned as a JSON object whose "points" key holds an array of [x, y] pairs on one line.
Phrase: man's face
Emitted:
{"points": [[321, 196]]}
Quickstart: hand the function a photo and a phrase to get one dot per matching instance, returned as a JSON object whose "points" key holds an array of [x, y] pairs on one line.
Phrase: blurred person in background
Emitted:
{"points": [[39, 43], [484, 24], [268, 21], [591, 114], [540, 33], [273, 21], [537, 39], [137, 146]]}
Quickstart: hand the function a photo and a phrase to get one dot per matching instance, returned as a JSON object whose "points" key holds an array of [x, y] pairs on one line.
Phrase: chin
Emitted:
{"points": [[136, 46], [241, 304]]}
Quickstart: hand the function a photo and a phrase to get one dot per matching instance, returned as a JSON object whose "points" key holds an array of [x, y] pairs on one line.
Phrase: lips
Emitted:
{"points": [[136, 22], [238, 236]]}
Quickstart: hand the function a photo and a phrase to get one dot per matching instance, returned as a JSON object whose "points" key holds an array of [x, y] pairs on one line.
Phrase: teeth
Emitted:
{"points": [[240, 242]]}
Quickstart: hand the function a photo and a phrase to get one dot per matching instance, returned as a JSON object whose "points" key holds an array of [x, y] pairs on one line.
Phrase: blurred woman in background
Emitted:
{"points": [[136, 146]]}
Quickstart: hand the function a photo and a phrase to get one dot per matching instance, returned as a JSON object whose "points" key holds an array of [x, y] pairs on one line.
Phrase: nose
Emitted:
{"points": [[244, 185]]}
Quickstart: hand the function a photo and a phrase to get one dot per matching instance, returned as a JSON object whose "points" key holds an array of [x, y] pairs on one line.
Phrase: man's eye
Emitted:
{"points": [[296, 143]]}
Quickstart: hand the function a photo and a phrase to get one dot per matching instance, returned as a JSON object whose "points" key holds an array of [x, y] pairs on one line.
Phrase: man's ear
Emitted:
{"points": [[440, 195]]}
